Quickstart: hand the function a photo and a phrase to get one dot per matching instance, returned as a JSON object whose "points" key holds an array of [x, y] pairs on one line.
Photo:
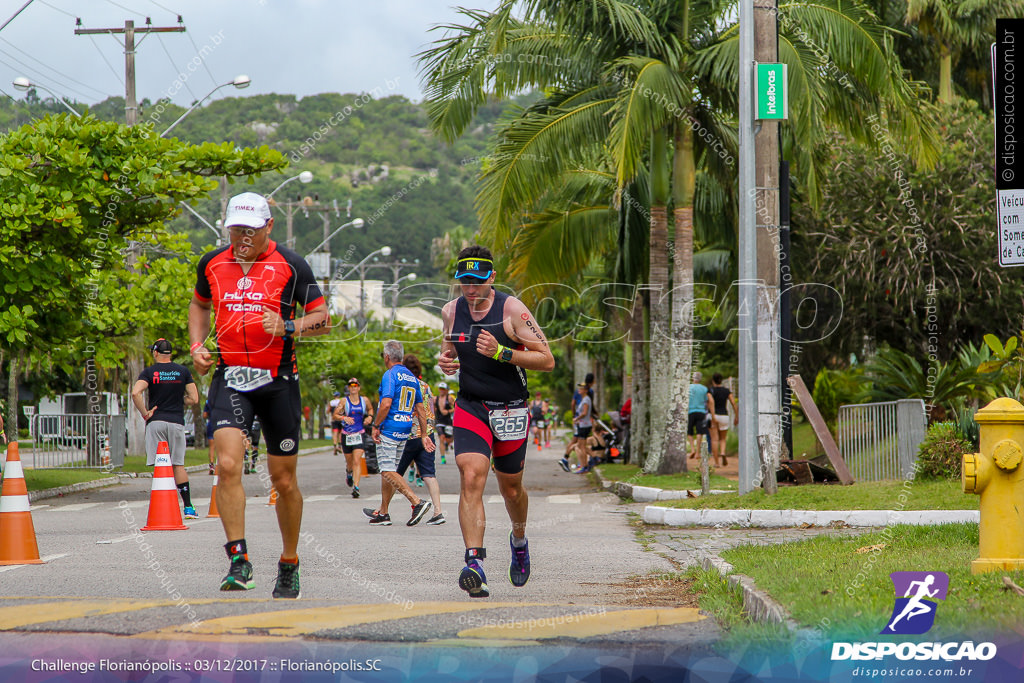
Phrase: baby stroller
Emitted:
{"points": [[618, 444]]}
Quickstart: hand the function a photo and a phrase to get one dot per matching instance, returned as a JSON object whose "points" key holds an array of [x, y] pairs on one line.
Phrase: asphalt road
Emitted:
{"points": [[363, 588]]}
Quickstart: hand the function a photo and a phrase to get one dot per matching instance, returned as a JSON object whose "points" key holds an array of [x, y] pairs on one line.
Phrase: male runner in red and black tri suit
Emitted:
{"points": [[493, 339], [253, 286]]}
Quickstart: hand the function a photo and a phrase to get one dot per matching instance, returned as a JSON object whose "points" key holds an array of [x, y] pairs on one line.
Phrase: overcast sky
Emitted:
{"points": [[301, 47]]}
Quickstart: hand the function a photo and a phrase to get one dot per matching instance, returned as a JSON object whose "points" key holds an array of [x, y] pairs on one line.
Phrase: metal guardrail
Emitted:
{"points": [[880, 440], [76, 442]]}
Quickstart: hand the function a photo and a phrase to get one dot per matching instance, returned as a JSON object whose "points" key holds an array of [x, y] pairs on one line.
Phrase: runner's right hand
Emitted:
{"points": [[449, 363], [202, 359]]}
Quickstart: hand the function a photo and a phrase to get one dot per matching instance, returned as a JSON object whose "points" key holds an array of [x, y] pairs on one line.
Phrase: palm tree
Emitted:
{"points": [[634, 84], [958, 26]]}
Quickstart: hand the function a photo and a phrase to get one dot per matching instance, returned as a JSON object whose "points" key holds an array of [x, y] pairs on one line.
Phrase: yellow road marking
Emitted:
{"points": [[298, 622], [586, 625], [27, 615]]}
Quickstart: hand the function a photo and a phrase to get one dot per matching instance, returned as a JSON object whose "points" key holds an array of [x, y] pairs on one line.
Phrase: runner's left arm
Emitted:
{"points": [[315, 320], [313, 323], [521, 327]]}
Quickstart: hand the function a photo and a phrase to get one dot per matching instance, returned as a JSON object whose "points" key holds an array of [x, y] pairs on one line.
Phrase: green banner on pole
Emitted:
{"points": [[772, 96]]}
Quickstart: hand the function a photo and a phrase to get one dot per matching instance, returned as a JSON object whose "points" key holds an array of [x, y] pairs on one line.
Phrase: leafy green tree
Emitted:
{"points": [[956, 27], [909, 249], [79, 192]]}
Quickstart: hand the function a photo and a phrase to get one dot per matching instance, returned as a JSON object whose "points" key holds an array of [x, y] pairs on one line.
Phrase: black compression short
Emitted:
{"points": [[277, 405]]}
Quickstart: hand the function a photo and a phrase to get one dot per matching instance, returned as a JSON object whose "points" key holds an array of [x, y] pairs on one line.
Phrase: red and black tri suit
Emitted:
{"points": [[278, 280], [486, 384]]}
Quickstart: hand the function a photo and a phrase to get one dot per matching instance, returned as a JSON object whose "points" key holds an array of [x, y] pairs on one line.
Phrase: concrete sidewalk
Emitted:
{"points": [[771, 519]]}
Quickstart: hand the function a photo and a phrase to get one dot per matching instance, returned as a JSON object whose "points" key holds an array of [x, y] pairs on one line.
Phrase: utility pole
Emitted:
{"points": [[289, 209], [131, 105], [748, 455], [136, 427], [766, 164]]}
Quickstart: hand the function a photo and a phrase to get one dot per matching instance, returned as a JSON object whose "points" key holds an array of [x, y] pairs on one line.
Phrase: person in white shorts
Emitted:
{"points": [[720, 428]]}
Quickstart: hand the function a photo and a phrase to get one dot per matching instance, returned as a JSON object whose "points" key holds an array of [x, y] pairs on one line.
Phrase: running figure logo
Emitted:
{"points": [[916, 593]]}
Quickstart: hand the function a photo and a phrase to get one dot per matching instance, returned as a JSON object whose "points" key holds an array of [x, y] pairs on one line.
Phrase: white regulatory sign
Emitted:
{"points": [[1011, 227]]}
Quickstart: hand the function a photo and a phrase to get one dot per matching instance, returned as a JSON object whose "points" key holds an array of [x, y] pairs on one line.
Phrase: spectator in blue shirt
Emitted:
{"points": [[400, 400], [701, 404]]}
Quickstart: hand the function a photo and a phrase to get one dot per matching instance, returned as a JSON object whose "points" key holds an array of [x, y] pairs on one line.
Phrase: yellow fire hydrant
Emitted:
{"points": [[997, 476]]}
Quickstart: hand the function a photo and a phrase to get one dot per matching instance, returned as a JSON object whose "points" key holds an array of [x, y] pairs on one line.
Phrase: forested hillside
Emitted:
{"points": [[374, 149]]}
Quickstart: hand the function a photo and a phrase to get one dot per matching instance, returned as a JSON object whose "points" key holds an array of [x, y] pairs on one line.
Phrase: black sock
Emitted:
{"points": [[235, 548], [186, 495]]}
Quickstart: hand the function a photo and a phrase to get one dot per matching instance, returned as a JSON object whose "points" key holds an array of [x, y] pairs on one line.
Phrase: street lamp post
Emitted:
{"points": [[304, 177], [203, 221], [241, 81], [325, 263], [361, 267], [411, 277], [357, 223], [289, 212], [22, 83]]}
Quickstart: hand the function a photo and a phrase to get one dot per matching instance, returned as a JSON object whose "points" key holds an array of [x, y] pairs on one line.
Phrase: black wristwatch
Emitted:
{"points": [[506, 355], [289, 328]]}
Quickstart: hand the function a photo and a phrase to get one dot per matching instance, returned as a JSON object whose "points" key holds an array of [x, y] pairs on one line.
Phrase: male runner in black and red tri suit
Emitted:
{"points": [[493, 339], [253, 286]]}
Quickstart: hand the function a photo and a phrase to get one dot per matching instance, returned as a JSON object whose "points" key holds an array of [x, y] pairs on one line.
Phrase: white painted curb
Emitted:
{"points": [[772, 519]]}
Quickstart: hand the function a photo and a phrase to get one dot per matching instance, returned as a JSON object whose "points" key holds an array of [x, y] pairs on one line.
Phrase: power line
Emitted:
{"points": [[174, 66], [38, 74], [205, 65], [164, 8], [126, 9], [118, 76], [59, 73], [43, 2], [131, 106]]}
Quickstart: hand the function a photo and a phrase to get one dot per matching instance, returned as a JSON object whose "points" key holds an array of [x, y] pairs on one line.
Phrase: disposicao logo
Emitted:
{"points": [[916, 595], [913, 614]]}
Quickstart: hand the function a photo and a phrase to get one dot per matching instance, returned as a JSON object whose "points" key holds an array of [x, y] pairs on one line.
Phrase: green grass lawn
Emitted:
{"points": [[826, 582], [870, 495], [38, 480], [676, 482]]}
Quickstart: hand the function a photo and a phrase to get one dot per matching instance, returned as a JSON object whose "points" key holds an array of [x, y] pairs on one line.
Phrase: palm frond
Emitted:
{"points": [[653, 95], [545, 141]]}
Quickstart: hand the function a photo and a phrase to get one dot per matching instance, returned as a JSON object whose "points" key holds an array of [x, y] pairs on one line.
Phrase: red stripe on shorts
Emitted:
{"points": [[466, 420]]}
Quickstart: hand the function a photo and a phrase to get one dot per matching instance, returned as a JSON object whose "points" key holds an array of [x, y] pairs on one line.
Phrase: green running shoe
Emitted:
{"points": [[239, 577]]}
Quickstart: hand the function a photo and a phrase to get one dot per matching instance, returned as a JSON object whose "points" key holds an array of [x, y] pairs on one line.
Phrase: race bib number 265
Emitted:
{"points": [[511, 424]]}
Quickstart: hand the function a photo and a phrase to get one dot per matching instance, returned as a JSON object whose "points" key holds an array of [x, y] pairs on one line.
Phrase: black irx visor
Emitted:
{"points": [[480, 268]]}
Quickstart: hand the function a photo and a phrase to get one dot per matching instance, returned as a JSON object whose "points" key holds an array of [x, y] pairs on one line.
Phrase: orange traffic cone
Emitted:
{"points": [[17, 534], [273, 497], [164, 514], [213, 496]]}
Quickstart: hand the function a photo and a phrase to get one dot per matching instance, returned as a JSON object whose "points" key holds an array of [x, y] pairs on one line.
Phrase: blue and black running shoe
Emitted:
{"points": [[519, 568], [473, 581]]}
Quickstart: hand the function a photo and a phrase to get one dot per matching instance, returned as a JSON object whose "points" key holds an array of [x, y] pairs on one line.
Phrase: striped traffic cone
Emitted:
{"points": [[213, 495], [273, 497], [17, 534], [164, 514]]}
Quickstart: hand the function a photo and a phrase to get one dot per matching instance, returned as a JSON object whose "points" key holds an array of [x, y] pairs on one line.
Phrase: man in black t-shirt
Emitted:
{"points": [[170, 388]]}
